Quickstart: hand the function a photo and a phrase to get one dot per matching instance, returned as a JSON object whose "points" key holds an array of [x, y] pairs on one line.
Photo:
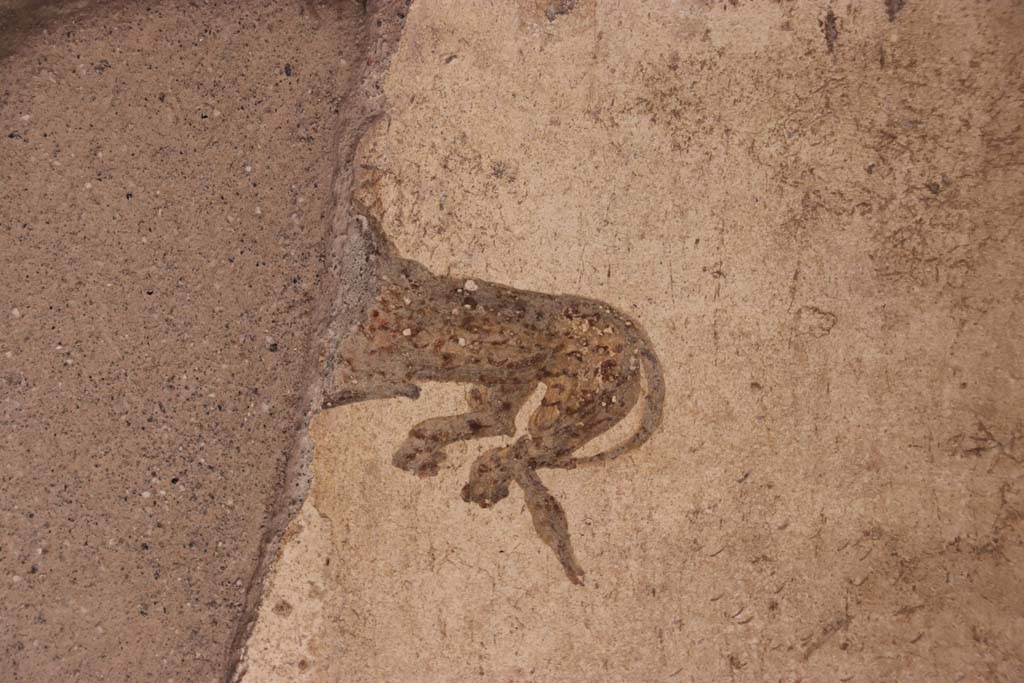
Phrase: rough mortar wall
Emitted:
{"points": [[165, 176]]}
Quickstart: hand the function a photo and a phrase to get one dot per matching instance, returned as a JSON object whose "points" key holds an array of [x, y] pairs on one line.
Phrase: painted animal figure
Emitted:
{"points": [[421, 327]]}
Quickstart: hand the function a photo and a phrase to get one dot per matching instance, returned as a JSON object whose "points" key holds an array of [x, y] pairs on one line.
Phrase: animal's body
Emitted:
{"points": [[589, 357]]}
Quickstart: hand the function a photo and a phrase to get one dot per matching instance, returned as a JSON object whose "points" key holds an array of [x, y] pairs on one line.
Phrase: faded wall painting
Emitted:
{"points": [[714, 302], [594, 363]]}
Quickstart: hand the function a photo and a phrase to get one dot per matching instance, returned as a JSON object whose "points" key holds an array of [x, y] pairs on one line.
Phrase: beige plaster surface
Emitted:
{"points": [[815, 213]]}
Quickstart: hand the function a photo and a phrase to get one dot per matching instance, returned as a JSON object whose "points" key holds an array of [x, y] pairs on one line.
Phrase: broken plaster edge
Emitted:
{"points": [[364, 103]]}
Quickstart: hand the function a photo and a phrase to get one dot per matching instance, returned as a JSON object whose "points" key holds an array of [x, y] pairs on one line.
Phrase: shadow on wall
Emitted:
{"points": [[19, 21]]}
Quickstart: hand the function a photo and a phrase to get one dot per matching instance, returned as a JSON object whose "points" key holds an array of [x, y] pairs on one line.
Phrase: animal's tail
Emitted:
{"points": [[654, 403]]}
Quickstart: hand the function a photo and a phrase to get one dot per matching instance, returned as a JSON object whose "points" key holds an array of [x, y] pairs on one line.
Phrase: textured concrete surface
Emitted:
{"points": [[165, 202], [814, 210]]}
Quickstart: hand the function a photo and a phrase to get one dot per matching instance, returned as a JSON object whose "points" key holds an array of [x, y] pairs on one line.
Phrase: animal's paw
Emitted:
{"points": [[420, 459], [486, 496], [487, 487], [489, 477]]}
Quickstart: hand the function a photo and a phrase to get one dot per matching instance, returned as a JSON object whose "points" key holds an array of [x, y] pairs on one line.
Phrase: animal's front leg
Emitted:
{"points": [[422, 452], [493, 414]]}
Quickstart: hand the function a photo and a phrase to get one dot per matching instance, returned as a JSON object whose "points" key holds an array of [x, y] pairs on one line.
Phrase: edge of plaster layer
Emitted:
{"points": [[346, 286]]}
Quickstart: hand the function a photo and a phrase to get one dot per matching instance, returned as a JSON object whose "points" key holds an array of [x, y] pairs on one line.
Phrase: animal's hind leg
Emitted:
{"points": [[573, 413], [493, 413], [488, 483]]}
